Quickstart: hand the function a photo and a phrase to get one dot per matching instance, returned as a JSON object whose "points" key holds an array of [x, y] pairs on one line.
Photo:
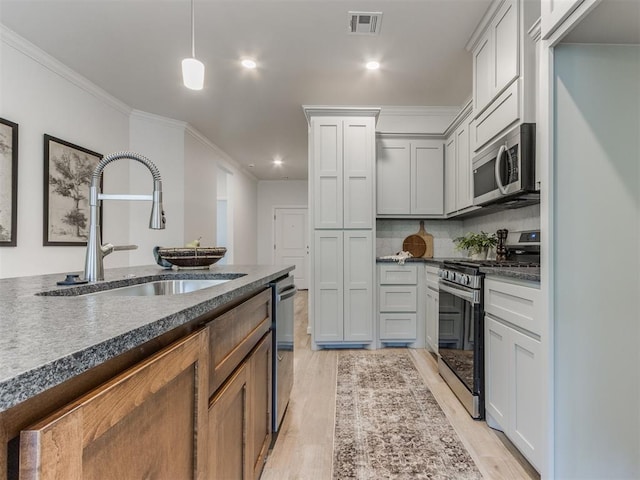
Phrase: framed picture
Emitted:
{"points": [[8, 183], [67, 178]]}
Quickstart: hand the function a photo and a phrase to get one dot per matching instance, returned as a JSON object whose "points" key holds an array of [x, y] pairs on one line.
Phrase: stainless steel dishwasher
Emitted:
{"points": [[282, 292]]}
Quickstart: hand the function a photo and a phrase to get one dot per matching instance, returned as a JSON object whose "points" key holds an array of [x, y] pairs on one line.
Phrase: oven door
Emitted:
{"points": [[460, 344]]}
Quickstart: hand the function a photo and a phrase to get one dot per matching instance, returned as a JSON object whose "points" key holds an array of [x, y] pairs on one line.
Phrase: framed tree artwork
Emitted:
{"points": [[67, 177], [8, 183]]}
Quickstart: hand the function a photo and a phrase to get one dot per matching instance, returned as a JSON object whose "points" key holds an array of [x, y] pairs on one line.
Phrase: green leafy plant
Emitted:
{"points": [[476, 242]]}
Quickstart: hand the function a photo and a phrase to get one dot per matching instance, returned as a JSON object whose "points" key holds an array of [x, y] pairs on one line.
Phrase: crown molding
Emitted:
{"points": [[484, 23], [197, 135], [15, 41], [337, 111], [165, 121], [419, 111], [464, 113]]}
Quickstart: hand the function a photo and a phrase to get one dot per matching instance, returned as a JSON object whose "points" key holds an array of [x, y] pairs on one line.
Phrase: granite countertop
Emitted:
{"points": [[518, 273], [45, 340]]}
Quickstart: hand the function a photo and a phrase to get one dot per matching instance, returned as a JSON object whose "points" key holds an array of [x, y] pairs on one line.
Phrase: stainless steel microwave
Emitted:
{"points": [[505, 172]]}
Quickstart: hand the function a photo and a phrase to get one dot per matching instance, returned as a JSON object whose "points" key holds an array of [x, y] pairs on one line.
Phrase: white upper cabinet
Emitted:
{"points": [[457, 174], [342, 159], [495, 57], [503, 70], [410, 176]]}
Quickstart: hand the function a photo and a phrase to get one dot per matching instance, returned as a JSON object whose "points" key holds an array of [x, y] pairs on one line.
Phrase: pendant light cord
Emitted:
{"points": [[193, 30]]}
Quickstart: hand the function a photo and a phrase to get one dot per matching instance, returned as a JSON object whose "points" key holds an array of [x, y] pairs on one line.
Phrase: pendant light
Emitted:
{"points": [[192, 68]]}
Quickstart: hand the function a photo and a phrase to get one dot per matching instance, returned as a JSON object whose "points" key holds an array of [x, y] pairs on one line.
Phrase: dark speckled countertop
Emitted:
{"points": [[45, 340]]}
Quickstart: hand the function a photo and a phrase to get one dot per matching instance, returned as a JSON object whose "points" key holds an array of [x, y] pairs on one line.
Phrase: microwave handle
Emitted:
{"points": [[501, 187]]}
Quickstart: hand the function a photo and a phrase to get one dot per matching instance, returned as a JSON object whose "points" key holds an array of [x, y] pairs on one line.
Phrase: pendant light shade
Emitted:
{"points": [[193, 73], [192, 68]]}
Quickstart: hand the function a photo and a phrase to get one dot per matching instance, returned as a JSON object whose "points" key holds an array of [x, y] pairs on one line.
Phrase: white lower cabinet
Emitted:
{"points": [[514, 368], [398, 303], [343, 286], [431, 309]]}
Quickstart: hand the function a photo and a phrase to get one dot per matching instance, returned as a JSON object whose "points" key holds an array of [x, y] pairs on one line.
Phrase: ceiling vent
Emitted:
{"points": [[365, 23]]}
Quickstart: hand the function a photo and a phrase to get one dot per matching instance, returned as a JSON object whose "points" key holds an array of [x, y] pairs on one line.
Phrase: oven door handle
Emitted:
{"points": [[458, 292]]}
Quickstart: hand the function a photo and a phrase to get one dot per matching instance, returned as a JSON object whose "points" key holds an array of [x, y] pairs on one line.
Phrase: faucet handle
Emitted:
{"points": [[124, 247]]}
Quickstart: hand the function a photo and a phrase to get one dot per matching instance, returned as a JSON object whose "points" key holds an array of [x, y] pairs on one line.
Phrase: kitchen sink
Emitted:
{"points": [[159, 287]]}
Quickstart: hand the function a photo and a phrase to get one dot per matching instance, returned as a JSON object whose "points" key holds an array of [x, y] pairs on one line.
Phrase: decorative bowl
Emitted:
{"points": [[192, 257]]}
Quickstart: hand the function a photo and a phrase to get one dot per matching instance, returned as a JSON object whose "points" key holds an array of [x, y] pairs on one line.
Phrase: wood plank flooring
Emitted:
{"points": [[304, 448]]}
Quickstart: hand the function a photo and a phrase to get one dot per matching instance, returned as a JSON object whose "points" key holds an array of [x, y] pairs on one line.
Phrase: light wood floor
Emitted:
{"points": [[304, 448]]}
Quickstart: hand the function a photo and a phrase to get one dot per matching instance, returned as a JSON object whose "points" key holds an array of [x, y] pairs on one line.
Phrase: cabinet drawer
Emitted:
{"points": [[234, 334], [398, 326], [432, 277], [497, 117], [516, 304], [398, 299], [391, 274]]}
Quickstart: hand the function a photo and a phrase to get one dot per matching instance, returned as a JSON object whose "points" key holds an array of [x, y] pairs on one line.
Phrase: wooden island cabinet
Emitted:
{"points": [[196, 407]]}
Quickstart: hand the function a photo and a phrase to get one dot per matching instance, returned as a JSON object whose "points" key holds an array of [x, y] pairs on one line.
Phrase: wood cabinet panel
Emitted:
{"points": [[260, 404], [392, 274], [327, 172], [427, 173], [393, 177], [229, 420], [358, 285], [155, 405], [358, 165], [234, 334]]}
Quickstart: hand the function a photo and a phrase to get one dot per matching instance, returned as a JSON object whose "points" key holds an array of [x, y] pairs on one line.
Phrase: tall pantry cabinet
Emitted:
{"points": [[342, 218]]}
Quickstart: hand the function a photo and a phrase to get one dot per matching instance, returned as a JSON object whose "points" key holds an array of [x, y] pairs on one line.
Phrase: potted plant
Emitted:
{"points": [[476, 244]]}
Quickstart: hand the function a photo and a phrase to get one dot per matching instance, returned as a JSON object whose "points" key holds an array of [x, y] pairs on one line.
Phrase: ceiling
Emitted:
{"points": [[133, 49]]}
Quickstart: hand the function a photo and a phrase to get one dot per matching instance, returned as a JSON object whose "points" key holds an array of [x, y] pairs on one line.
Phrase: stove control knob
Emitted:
{"points": [[465, 280], [455, 276]]}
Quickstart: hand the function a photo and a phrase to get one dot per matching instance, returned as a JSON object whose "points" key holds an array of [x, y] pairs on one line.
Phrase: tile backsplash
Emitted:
{"points": [[391, 233]]}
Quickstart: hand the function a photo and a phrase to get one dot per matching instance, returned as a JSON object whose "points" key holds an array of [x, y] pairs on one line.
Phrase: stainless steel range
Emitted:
{"points": [[461, 317]]}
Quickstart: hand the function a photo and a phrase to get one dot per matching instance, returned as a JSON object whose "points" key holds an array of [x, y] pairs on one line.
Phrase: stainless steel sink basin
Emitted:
{"points": [[159, 287]]}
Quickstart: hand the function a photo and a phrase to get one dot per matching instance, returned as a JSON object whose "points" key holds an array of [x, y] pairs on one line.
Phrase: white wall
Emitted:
{"points": [[596, 261], [243, 199], [41, 101], [271, 194], [161, 140]]}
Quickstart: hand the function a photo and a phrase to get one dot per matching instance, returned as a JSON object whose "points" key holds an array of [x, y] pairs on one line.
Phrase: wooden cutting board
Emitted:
{"points": [[419, 244]]}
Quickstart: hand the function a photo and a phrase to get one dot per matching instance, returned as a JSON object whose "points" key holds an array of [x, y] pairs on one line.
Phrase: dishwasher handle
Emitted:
{"points": [[287, 293]]}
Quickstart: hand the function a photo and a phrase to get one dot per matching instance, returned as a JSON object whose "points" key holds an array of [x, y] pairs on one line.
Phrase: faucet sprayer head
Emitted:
{"points": [[157, 219]]}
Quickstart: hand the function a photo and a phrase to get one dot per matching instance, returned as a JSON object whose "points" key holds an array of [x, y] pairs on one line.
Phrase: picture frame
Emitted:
{"points": [[8, 183], [67, 178]]}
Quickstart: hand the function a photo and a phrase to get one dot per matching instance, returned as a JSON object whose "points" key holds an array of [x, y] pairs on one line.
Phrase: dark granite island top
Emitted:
{"points": [[46, 340]]}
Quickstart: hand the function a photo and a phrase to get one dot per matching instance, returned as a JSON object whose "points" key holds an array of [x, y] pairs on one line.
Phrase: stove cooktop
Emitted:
{"points": [[496, 263]]}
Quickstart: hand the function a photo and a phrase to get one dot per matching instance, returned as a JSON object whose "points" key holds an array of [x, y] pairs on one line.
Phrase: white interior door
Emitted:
{"points": [[291, 242]]}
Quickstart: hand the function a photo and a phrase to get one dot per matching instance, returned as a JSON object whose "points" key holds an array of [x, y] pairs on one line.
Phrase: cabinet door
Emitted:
{"points": [[229, 419], [505, 46], [483, 64], [141, 424], [464, 187], [497, 371], [358, 165], [328, 286], [427, 178], [432, 320], [359, 262], [450, 180], [398, 298], [327, 172], [260, 405], [526, 397], [393, 177]]}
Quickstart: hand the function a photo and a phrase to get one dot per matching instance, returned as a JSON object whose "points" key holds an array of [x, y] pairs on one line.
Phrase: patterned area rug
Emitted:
{"points": [[389, 425]]}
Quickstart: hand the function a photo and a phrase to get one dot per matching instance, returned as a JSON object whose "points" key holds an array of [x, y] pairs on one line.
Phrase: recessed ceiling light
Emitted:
{"points": [[251, 165], [372, 65], [277, 162], [249, 63]]}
